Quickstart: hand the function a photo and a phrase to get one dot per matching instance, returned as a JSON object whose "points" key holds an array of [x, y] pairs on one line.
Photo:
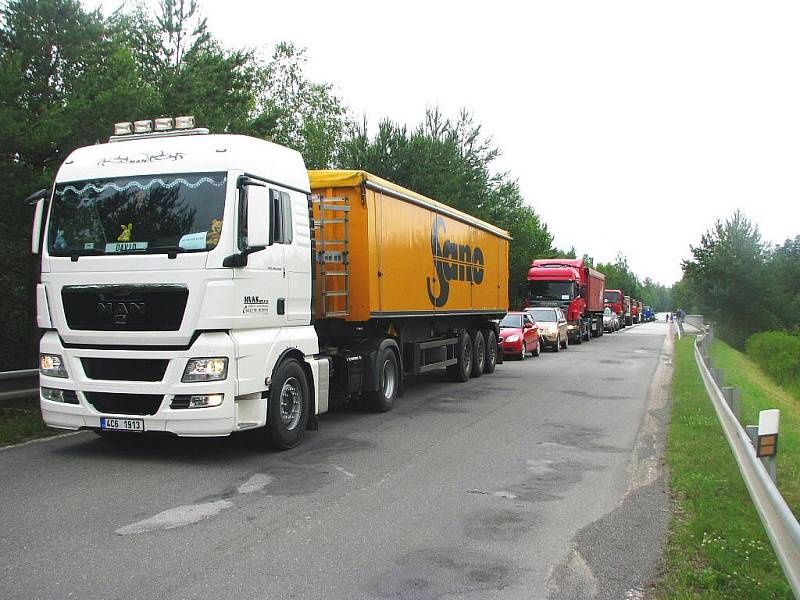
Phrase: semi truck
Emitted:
{"points": [[200, 285], [574, 287], [615, 300]]}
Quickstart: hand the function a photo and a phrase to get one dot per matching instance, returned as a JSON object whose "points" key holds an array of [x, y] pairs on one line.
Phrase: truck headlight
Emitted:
{"points": [[205, 369], [52, 365]]}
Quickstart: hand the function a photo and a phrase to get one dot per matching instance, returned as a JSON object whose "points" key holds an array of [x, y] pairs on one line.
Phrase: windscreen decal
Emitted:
{"points": [[139, 158], [169, 185]]}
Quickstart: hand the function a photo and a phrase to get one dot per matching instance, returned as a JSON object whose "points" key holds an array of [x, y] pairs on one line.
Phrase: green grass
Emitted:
{"points": [[759, 392], [716, 547], [20, 421]]}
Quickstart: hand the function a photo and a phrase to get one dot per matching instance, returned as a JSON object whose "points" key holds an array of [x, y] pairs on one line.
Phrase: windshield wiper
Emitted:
{"points": [[76, 254], [171, 251]]}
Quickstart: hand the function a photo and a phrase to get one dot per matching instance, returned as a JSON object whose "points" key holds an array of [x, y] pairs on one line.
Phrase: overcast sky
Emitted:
{"points": [[631, 126]]}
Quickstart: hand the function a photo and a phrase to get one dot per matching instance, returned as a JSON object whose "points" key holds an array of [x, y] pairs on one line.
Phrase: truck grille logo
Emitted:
{"points": [[121, 310], [452, 262]]}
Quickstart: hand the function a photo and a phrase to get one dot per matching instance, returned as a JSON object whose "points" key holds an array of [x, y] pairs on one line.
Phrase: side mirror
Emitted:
{"points": [[37, 199], [257, 216]]}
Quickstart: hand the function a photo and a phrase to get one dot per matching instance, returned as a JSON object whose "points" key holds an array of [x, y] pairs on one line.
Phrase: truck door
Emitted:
{"points": [[261, 285]]}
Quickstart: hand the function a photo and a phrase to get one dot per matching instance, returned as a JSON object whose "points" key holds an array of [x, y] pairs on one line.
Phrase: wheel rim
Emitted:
{"points": [[480, 355], [291, 403], [468, 357], [389, 379], [491, 352]]}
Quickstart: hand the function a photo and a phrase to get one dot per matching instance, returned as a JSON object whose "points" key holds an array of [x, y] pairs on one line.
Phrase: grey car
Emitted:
{"points": [[552, 327]]}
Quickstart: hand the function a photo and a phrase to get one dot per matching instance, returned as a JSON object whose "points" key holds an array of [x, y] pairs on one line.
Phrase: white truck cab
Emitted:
{"points": [[176, 284]]}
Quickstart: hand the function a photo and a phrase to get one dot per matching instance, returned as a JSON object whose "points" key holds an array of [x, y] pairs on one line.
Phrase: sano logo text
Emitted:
{"points": [[452, 262]]}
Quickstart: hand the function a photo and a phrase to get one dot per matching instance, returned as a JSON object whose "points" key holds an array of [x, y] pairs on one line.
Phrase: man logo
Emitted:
{"points": [[121, 311], [452, 262]]}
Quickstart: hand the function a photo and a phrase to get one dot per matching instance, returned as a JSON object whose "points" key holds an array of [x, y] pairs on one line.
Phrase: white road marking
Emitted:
{"points": [[176, 517], [255, 484]]}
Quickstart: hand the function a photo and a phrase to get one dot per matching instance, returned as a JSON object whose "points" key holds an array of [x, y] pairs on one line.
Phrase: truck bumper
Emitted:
{"points": [[91, 398]]}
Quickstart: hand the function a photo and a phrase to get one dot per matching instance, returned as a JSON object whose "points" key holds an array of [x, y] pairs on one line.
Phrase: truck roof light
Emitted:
{"points": [[186, 122], [164, 124], [123, 128], [143, 126]]}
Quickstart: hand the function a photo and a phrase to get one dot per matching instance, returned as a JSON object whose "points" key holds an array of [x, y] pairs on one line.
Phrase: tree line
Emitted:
{"points": [[740, 282], [67, 74]]}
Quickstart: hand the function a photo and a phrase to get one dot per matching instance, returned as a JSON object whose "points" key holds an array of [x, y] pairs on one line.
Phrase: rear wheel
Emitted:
{"points": [[491, 352], [288, 406], [479, 354], [382, 399], [460, 371]]}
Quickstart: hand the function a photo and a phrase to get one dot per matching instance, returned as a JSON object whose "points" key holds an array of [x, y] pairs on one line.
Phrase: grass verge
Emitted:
{"points": [[716, 547], [20, 421], [760, 392]]}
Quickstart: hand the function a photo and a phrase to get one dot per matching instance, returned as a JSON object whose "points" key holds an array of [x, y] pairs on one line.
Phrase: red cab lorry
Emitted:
{"points": [[574, 287]]}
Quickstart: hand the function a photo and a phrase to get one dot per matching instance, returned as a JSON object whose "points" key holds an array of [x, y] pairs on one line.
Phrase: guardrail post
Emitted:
{"points": [[718, 375], [732, 397]]}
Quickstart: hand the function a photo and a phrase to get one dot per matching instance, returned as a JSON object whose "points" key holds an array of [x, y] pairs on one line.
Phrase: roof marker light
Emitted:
{"points": [[142, 126], [164, 124], [184, 122], [123, 128]]}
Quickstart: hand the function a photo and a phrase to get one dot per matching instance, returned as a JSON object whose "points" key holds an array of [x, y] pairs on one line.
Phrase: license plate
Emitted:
{"points": [[121, 424]]}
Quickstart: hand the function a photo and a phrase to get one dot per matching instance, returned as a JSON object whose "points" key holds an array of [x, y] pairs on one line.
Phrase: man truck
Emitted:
{"points": [[574, 287], [202, 285]]}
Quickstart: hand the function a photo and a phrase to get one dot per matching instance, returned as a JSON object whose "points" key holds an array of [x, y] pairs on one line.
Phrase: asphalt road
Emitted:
{"points": [[542, 480]]}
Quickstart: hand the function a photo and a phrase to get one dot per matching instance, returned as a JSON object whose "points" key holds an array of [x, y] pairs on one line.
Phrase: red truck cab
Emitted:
{"points": [[574, 287]]}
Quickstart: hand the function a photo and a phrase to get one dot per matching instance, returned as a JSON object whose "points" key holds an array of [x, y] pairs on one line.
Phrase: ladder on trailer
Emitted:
{"points": [[331, 230]]}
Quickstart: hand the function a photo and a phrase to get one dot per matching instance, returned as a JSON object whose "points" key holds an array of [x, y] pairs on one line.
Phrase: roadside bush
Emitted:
{"points": [[778, 355]]}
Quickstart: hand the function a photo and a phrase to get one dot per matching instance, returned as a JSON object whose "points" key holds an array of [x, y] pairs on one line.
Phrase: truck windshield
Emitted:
{"points": [[611, 296], [147, 214], [551, 290]]}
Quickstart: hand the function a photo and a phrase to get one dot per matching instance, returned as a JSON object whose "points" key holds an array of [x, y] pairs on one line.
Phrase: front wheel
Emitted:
{"points": [[565, 342], [524, 351], [557, 345], [382, 399], [288, 406], [537, 350]]}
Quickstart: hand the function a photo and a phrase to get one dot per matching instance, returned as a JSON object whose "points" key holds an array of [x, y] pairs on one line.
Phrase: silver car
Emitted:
{"points": [[552, 327], [610, 320]]}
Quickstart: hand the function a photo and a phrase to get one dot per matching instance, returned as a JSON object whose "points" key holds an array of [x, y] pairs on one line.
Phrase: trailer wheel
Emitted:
{"points": [[478, 354], [491, 351], [382, 400], [287, 406], [461, 370]]}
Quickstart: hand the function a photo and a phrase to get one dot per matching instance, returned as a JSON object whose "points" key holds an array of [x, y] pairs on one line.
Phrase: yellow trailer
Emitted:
{"points": [[384, 251]]}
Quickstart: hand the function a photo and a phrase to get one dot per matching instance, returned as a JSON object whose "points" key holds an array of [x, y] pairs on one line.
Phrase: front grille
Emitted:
{"points": [[123, 369], [124, 308], [124, 404]]}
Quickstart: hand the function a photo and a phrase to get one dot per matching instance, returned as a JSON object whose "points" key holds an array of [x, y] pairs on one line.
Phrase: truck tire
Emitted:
{"points": [[382, 399], [287, 406], [578, 338], [460, 371], [491, 351], [587, 332], [478, 354]]}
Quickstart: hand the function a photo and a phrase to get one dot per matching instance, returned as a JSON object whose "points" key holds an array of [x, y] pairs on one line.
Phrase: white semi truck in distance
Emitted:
{"points": [[191, 284]]}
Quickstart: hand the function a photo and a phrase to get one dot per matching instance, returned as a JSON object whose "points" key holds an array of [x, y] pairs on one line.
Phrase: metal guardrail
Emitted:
{"points": [[19, 384], [781, 525]]}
